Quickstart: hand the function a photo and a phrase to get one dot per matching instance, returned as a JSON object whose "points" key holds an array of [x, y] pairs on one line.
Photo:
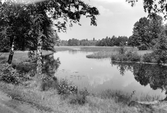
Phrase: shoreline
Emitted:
{"points": [[151, 63]]}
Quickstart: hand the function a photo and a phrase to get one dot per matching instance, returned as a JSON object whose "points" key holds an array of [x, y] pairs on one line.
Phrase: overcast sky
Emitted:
{"points": [[117, 17]]}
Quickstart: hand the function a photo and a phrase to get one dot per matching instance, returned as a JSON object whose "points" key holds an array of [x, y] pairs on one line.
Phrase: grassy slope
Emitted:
{"points": [[49, 101]]}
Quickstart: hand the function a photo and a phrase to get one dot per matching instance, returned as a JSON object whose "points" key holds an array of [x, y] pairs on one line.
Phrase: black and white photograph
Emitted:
{"points": [[83, 56]]}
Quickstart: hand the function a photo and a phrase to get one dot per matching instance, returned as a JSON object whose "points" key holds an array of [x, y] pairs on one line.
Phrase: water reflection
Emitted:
{"points": [[99, 75], [146, 74]]}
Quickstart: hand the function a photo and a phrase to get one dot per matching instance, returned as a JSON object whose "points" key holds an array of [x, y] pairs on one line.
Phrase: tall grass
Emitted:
{"points": [[101, 54]]}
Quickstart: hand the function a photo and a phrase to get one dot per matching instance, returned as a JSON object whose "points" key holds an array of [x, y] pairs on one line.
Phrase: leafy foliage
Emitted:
{"points": [[24, 24], [65, 88], [160, 52], [145, 32], [125, 55], [9, 74]]}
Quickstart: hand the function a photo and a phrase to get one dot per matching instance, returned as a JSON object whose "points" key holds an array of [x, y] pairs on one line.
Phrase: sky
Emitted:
{"points": [[117, 17]]}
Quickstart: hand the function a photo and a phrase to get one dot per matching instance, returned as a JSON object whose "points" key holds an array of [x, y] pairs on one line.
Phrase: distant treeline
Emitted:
{"points": [[76, 42], [108, 41], [146, 34]]}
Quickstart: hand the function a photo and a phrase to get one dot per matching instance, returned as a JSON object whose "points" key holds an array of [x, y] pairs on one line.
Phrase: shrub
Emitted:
{"points": [[65, 88], [156, 57], [147, 57], [49, 83], [161, 56], [122, 50], [32, 56], [80, 97], [128, 56], [133, 56], [142, 47], [25, 67], [8, 74]]}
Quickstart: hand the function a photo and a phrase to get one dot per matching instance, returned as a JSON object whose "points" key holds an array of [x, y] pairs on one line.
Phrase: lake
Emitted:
{"points": [[98, 75]]}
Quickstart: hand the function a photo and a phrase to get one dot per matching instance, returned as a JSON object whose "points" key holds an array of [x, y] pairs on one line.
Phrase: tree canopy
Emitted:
{"points": [[153, 6], [22, 22], [146, 31]]}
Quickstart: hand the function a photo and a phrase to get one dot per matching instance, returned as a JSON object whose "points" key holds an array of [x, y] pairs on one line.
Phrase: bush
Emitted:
{"points": [[49, 83], [128, 56], [142, 47], [161, 56], [122, 50], [25, 67], [65, 88], [8, 74], [80, 97], [133, 56], [32, 56], [71, 91], [147, 57], [156, 57]]}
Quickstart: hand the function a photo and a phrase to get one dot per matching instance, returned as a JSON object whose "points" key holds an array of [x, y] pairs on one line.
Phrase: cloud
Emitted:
{"points": [[122, 3], [23, 1], [111, 1], [104, 11]]}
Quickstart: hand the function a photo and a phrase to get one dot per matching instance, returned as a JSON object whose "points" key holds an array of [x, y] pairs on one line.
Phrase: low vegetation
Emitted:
{"points": [[126, 55], [101, 54]]}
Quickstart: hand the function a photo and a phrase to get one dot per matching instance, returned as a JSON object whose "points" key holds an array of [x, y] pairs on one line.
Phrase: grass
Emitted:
{"points": [[50, 101], [19, 56], [101, 54], [81, 102]]}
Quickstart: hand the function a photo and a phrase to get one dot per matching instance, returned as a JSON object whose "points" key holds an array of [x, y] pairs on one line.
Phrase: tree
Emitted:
{"points": [[155, 28], [140, 32], [73, 42], [161, 48], [146, 31], [152, 6], [40, 17], [11, 23]]}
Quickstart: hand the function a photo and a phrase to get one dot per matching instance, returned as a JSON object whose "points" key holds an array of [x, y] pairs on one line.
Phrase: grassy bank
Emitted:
{"points": [[50, 101]]}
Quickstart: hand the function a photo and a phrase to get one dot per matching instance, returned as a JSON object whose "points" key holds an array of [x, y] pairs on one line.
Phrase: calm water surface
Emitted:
{"points": [[98, 75]]}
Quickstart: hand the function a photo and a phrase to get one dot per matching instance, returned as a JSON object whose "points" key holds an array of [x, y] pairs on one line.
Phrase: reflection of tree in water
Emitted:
{"points": [[154, 75], [123, 67], [73, 52]]}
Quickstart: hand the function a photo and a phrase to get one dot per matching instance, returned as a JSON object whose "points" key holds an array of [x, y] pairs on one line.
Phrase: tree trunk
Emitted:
{"points": [[39, 56], [10, 58]]}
